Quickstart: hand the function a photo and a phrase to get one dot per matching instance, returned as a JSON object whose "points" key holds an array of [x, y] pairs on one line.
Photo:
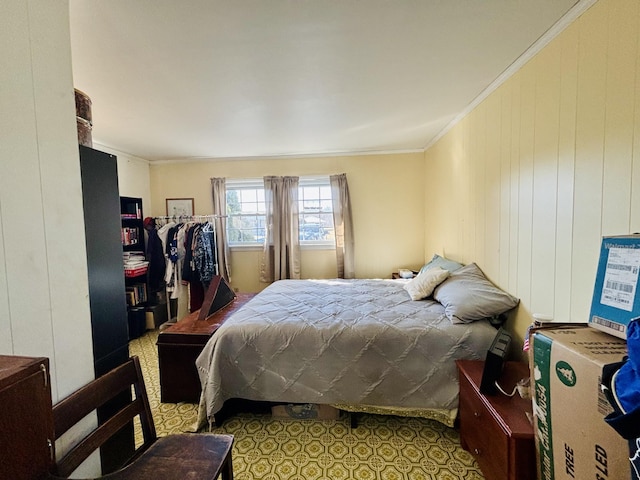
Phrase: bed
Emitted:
{"points": [[358, 345]]}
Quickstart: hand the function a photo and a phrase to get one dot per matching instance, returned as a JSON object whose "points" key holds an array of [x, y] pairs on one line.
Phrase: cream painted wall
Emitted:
{"points": [[133, 175], [44, 295], [545, 166], [44, 305], [386, 193]]}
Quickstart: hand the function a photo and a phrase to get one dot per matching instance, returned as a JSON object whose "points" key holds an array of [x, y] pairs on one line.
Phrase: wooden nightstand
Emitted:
{"points": [[495, 429]]}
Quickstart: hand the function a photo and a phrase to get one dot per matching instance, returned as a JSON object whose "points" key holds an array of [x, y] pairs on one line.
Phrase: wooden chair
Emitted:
{"points": [[178, 456]]}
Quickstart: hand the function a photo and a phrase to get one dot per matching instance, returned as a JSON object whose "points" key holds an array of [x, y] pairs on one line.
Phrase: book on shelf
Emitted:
{"points": [[133, 211], [133, 256], [134, 272], [131, 298], [129, 236], [136, 294], [135, 263]]}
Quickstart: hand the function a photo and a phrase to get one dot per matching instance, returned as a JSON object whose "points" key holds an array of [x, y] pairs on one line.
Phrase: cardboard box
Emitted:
{"points": [[305, 411], [616, 300], [572, 439]]}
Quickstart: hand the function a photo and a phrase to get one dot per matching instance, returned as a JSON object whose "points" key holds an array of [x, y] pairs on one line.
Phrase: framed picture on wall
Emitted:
{"points": [[179, 207]]}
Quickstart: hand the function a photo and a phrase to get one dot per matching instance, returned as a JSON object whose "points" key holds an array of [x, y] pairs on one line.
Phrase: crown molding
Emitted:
{"points": [[567, 19]]}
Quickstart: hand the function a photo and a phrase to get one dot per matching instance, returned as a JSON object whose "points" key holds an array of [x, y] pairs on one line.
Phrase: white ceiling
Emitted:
{"points": [[173, 79]]}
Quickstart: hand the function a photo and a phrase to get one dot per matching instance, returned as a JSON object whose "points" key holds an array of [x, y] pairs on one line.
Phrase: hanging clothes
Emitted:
{"points": [[155, 257], [163, 232], [175, 254], [190, 254], [204, 254], [190, 275], [188, 272], [170, 264]]}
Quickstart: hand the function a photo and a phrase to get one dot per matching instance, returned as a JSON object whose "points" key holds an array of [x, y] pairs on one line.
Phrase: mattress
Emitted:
{"points": [[338, 342]]}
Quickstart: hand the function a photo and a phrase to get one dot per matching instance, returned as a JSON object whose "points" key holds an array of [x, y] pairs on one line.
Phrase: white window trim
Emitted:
{"points": [[254, 247], [244, 183], [237, 183]]}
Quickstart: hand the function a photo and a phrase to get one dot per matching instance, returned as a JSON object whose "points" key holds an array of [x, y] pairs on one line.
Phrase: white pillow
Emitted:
{"points": [[423, 285]]}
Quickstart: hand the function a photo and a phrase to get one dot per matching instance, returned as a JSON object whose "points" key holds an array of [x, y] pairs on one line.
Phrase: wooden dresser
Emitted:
{"points": [[26, 423], [179, 346], [496, 429]]}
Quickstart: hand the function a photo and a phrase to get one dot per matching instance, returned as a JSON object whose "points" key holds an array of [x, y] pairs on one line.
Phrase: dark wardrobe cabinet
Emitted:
{"points": [[101, 202]]}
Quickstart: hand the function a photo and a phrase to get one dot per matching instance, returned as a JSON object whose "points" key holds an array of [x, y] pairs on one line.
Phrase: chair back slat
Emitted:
{"points": [[79, 404]]}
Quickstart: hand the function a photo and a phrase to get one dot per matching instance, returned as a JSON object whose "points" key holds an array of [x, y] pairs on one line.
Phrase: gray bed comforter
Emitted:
{"points": [[354, 342]]}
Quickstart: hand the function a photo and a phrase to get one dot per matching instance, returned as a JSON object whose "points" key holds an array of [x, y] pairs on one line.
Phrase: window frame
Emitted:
{"points": [[242, 184], [258, 184]]}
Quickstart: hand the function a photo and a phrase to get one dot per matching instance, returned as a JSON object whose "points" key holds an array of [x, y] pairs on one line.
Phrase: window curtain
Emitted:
{"points": [[281, 251], [343, 224], [219, 195]]}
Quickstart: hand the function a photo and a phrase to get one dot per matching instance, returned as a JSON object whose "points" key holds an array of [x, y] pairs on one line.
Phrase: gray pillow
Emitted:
{"points": [[442, 262], [467, 295]]}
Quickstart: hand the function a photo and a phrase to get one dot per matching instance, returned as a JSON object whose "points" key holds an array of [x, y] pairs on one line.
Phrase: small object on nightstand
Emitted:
{"points": [[404, 273], [494, 362]]}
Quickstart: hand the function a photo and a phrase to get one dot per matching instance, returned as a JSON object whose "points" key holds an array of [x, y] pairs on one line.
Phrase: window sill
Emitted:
{"points": [[303, 246]]}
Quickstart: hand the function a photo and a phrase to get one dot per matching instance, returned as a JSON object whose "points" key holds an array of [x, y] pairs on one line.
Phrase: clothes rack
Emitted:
{"points": [[173, 260], [186, 218]]}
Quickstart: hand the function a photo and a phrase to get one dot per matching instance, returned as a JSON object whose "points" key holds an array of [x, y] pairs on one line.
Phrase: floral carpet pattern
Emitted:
{"points": [[380, 448]]}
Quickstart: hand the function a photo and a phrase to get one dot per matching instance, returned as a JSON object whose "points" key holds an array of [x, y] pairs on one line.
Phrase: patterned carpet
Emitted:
{"points": [[380, 448]]}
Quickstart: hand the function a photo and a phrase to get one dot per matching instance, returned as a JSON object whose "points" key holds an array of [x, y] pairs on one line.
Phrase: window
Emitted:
{"points": [[316, 211], [246, 212]]}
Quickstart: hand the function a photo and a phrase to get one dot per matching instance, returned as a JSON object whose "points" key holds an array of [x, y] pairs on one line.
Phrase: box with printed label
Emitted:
{"points": [[572, 439], [616, 300]]}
